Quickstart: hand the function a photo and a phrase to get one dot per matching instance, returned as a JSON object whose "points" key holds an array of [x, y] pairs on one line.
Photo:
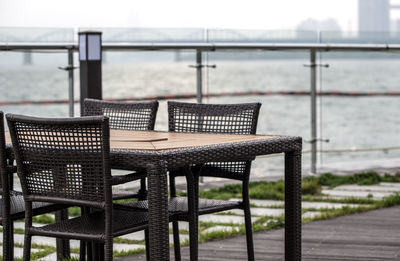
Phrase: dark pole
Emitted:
{"points": [[90, 65]]}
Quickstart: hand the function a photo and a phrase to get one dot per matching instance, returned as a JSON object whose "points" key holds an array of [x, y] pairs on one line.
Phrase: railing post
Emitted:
{"points": [[199, 78], [71, 82], [313, 68]]}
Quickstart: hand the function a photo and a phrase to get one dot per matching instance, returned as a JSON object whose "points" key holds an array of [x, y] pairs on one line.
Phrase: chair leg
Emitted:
{"points": [[101, 251], [63, 246], [82, 251], [27, 247], [95, 251], [142, 190], [249, 233], [247, 220], [146, 240], [89, 250], [6, 241], [11, 241], [27, 236], [177, 243]]}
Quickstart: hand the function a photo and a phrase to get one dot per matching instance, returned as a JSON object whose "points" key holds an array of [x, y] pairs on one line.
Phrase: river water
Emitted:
{"points": [[348, 122]]}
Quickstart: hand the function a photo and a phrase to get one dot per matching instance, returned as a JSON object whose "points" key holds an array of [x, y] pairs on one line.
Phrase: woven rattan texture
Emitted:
{"points": [[124, 115], [61, 159], [179, 205], [17, 204], [12, 203], [93, 224], [216, 118]]}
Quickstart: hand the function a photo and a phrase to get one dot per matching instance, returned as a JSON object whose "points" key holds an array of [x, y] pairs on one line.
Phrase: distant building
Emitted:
{"points": [[308, 30], [373, 16], [315, 25]]}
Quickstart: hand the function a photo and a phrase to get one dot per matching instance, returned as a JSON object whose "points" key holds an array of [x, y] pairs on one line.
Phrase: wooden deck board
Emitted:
{"points": [[370, 236]]}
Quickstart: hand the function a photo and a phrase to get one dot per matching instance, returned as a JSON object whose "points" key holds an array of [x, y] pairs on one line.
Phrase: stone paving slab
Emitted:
{"points": [[53, 257], [390, 184], [219, 228], [134, 236], [304, 204], [273, 212], [18, 251], [182, 237], [182, 225], [354, 194], [372, 188], [22, 225], [224, 219], [310, 214], [127, 247]]}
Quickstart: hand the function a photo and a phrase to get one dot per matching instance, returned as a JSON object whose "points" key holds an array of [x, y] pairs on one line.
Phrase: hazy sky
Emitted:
{"points": [[249, 14]]}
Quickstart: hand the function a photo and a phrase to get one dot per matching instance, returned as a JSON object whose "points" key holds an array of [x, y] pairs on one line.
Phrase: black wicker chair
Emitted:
{"points": [[12, 205], [210, 118], [126, 116], [66, 161]]}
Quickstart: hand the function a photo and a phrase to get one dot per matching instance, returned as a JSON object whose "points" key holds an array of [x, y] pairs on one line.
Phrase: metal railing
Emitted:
{"points": [[200, 48]]}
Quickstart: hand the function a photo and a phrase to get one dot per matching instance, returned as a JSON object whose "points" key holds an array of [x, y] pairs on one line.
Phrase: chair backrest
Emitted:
{"points": [[62, 160], [124, 115], [3, 157], [5, 168], [216, 118]]}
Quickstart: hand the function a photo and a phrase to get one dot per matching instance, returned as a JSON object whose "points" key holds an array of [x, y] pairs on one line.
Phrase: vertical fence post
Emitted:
{"points": [[313, 68], [71, 82], [199, 78]]}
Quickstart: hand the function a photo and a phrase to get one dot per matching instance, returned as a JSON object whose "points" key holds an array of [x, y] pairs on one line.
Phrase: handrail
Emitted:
{"points": [[209, 95], [107, 46]]}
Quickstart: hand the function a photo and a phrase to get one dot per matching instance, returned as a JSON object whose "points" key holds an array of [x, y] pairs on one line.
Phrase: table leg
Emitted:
{"points": [[158, 210], [293, 206]]}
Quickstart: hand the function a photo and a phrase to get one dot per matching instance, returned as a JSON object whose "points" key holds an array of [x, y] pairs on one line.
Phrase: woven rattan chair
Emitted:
{"points": [[66, 161], [12, 205], [126, 116], [210, 118]]}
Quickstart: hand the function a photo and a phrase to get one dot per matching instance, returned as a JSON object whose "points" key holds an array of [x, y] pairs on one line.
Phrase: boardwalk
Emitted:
{"points": [[369, 236]]}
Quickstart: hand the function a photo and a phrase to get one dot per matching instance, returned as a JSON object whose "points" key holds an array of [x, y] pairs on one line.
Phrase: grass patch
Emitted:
{"points": [[74, 211], [127, 241], [43, 219], [128, 253], [351, 200], [365, 178], [44, 250], [311, 188]]}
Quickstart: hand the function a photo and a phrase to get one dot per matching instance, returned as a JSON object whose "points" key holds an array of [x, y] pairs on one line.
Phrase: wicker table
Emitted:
{"points": [[159, 151]]}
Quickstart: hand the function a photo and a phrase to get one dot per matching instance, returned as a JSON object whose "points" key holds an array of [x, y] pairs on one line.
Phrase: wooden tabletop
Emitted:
{"points": [[151, 140], [146, 140]]}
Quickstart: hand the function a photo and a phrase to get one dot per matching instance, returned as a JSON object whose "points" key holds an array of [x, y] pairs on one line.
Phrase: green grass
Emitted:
{"points": [[351, 200], [128, 253], [311, 187], [44, 250], [365, 178], [127, 241], [43, 219]]}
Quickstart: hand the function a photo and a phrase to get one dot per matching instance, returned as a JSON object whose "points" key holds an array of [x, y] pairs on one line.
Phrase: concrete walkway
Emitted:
{"points": [[369, 236]]}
